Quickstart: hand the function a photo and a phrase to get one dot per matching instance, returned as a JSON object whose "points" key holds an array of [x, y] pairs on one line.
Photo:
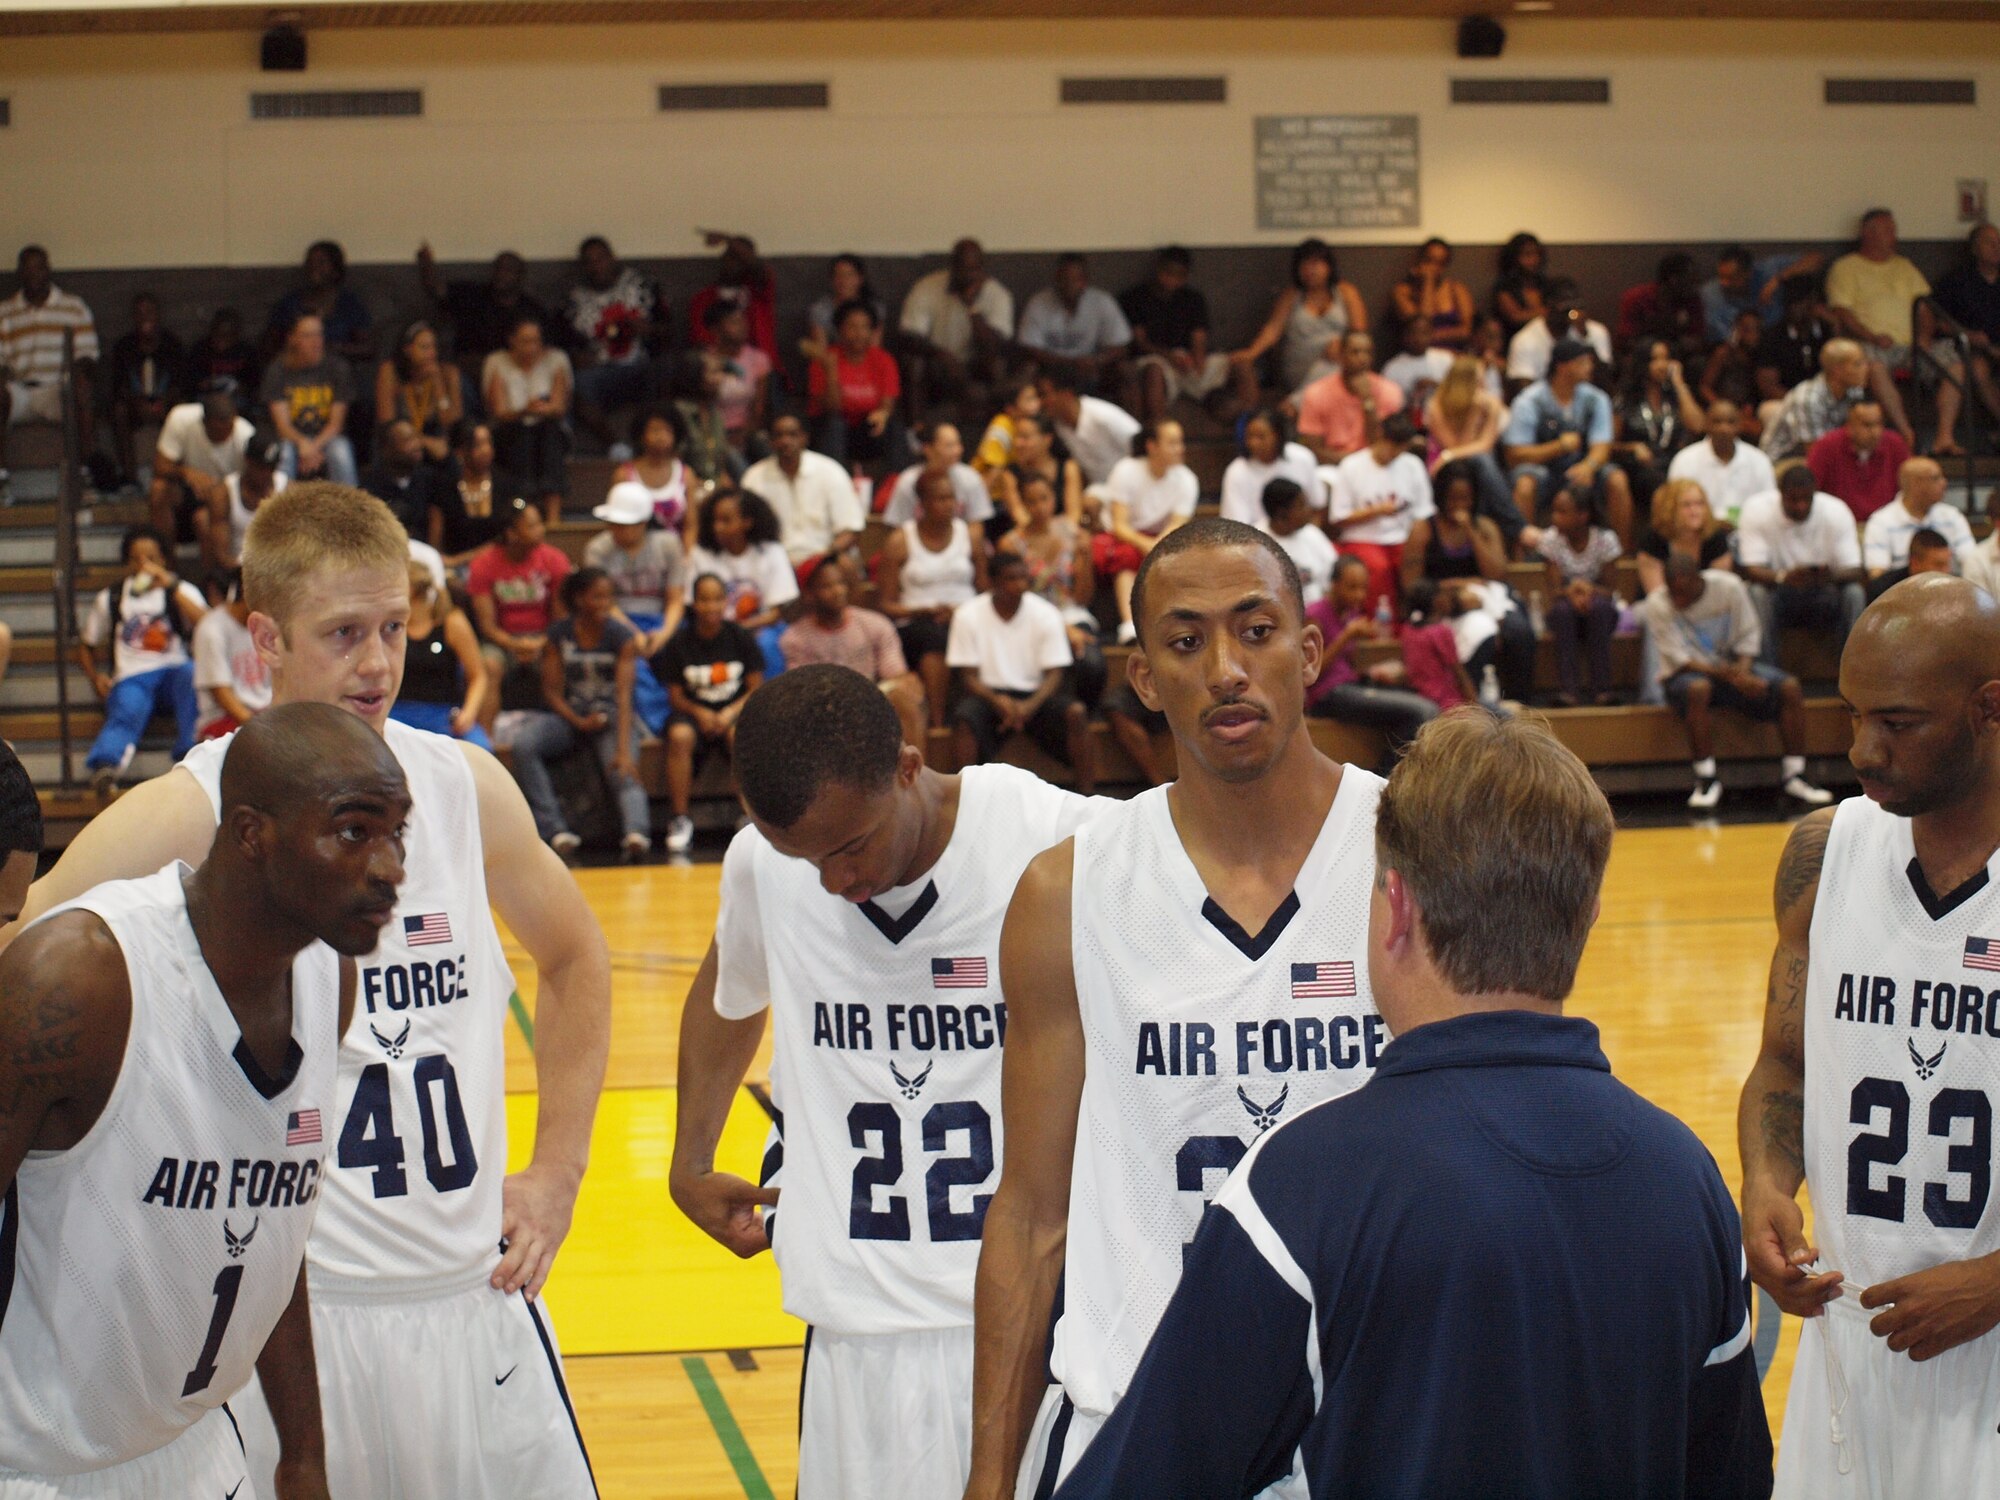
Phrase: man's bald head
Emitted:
{"points": [[299, 753], [1935, 625]]}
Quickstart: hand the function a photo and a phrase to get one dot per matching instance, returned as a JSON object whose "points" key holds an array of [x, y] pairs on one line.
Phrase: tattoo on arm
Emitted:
{"points": [[42, 1050], [1785, 1127], [1799, 867]]}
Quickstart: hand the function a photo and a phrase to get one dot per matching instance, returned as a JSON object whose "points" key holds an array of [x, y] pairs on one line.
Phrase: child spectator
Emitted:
{"points": [[1149, 495], [444, 676], [744, 370], [1289, 520], [1344, 692], [586, 671], [852, 389], [1462, 557], [1012, 657], [648, 572], [929, 567], [1378, 493], [710, 667], [1582, 559], [1418, 368], [737, 541], [1059, 570], [1267, 453], [833, 633], [996, 445], [671, 487], [147, 619], [231, 681], [514, 585]]}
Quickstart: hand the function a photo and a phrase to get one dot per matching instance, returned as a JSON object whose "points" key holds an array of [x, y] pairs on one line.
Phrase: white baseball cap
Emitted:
{"points": [[628, 504]]}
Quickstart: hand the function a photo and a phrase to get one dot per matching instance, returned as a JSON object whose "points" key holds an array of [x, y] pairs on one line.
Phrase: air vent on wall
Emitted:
{"points": [[1213, 90], [337, 104], [743, 96], [1531, 91], [1901, 91]]}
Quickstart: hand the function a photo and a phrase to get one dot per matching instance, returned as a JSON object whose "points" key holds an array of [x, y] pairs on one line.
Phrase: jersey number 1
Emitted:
{"points": [[368, 1141], [228, 1282], [941, 1121]]}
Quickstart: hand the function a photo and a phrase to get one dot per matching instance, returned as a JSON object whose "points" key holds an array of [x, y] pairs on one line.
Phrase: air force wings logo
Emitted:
{"points": [[236, 1243], [392, 1045], [1265, 1115], [1926, 1066], [911, 1087]]}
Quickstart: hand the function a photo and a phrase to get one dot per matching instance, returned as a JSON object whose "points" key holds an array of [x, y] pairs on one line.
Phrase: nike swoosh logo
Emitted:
{"points": [[232, 1494], [502, 1379]]}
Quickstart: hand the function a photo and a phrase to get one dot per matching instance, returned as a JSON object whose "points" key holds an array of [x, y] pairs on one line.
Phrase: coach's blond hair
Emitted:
{"points": [[310, 527], [1502, 838]]}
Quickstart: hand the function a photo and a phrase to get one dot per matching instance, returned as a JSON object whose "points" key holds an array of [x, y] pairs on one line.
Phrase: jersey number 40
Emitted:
{"points": [[369, 1142], [876, 1129]]}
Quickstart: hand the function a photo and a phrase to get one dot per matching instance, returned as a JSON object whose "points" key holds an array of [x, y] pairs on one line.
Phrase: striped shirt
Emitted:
{"points": [[31, 337]]}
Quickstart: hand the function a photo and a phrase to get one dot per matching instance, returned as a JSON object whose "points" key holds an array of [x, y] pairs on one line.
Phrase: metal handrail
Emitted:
{"points": [[69, 500]]}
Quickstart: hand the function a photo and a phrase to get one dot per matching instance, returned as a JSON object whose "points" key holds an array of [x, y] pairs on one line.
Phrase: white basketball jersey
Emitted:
{"points": [[1902, 1055], [887, 1027], [1198, 1039], [419, 1128], [142, 1269]]}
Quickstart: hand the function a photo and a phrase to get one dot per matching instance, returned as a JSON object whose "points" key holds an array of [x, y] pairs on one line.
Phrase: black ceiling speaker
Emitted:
{"points": [[283, 49], [1481, 36]]}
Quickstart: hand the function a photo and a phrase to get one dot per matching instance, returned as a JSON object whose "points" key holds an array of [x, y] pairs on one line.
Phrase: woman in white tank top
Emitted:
{"points": [[929, 567]]}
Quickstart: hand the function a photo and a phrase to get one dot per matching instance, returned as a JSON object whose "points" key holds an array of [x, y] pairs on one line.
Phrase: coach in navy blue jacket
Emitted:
{"points": [[1492, 1272]]}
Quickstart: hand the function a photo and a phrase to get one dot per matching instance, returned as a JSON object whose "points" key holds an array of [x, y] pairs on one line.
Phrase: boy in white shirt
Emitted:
{"points": [[231, 681], [147, 620], [1289, 521], [1378, 493]]}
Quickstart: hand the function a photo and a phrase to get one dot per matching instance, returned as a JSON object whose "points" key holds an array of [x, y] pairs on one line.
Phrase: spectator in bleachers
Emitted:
{"points": [[1074, 326], [1375, 496], [1920, 503], [1860, 460], [481, 313], [32, 324], [694, 386], [1147, 495], [1872, 293], [955, 324], [996, 444], [742, 280], [1463, 421], [528, 388], [1428, 290], [1559, 433], [1814, 407], [444, 675], [201, 442], [742, 391], [225, 519], [1582, 562], [1420, 366], [1744, 284], [846, 281], [1929, 552], [515, 587], [617, 317], [471, 508], [1982, 564], [148, 368], [1680, 521], [943, 454], [1346, 693], [147, 620], [1728, 470], [1800, 552], [1708, 642], [1336, 411], [414, 385], [1306, 325], [711, 667], [1521, 291], [1012, 657], [1290, 522], [1034, 457], [852, 390], [232, 682], [1097, 433], [930, 566], [658, 435], [1489, 346], [1461, 552], [834, 632], [1788, 351], [1969, 295], [1267, 453], [1531, 351], [647, 566], [1057, 553], [812, 496], [400, 478], [1655, 416], [1668, 307], [737, 540], [586, 672], [307, 392], [1170, 338], [1730, 374], [224, 354], [342, 315]]}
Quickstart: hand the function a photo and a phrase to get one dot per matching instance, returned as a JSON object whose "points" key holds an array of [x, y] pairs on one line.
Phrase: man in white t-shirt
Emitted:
{"points": [[1378, 494], [147, 619], [954, 328], [1145, 498], [1096, 432], [201, 444], [1729, 472], [944, 451], [814, 498], [1011, 651], [1528, 355], [1800, 553], [231, 681], [1919, 503]]}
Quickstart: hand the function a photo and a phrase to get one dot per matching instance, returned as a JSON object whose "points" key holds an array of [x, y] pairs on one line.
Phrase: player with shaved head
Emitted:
{"points": [[1880, 1065]]}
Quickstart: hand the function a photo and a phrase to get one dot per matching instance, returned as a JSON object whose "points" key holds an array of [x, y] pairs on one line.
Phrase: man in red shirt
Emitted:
{"points": [[516, 588], [1859, 461], [1335, 411], [852, 389]]}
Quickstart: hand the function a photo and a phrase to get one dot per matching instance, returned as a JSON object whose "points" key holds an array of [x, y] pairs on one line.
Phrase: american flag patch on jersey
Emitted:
{"points": [[1982, 953], [302, 1128], [427, 931], [958, 973], [1323, 981]]}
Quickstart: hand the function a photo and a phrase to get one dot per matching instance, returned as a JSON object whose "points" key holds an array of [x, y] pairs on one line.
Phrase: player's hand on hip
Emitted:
{"points": [[535, 1208], [1774, 1243], [1938, 1309], [724, 1208]]}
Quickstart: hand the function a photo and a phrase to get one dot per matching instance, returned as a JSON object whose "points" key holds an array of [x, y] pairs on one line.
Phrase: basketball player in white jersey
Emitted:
{"points": [[863, 910], [1879, 1070], [167, 1059], [1185, 973], [438, 1370]]}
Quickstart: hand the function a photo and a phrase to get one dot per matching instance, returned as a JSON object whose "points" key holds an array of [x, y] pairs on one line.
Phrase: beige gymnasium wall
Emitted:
{"points": [[137, 150]]}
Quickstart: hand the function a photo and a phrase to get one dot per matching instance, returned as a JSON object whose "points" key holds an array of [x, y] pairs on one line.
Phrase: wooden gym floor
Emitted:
{"points": [[684, 1369]]}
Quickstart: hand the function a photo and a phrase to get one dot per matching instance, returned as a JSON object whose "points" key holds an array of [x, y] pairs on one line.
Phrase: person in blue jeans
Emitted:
{"points": [[588, 665], [147, 620]]}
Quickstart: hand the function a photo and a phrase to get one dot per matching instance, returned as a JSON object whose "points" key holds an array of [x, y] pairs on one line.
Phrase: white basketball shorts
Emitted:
{"points": [[207, 1459], [886, 1414]]}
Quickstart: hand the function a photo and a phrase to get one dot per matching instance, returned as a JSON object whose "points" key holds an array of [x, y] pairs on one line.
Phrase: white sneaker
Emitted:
{"points": [[566, 844], [1799, 788], [680, 833], [1127, 633], [1706, 794]]}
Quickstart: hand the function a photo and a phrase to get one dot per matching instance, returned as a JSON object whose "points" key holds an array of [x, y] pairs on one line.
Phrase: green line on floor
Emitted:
{"points": [[726, 1431], [522, 1019]]}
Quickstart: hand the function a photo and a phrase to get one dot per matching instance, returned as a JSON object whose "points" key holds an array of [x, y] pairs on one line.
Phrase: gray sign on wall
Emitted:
{"points": [[1337, 172]]}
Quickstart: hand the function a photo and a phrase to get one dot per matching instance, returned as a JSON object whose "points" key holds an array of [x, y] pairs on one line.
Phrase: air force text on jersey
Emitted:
{"points": [[1294, 1044], [935, 1026], [1929, 1005]]}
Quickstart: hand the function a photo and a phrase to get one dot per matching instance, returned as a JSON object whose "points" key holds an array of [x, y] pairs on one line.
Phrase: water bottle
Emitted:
{"points": [[1489, 687], [1384, 616]]}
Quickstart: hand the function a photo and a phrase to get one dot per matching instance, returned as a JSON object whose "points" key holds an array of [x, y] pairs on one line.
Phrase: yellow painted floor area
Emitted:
{"points": [[684, 1368]]}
